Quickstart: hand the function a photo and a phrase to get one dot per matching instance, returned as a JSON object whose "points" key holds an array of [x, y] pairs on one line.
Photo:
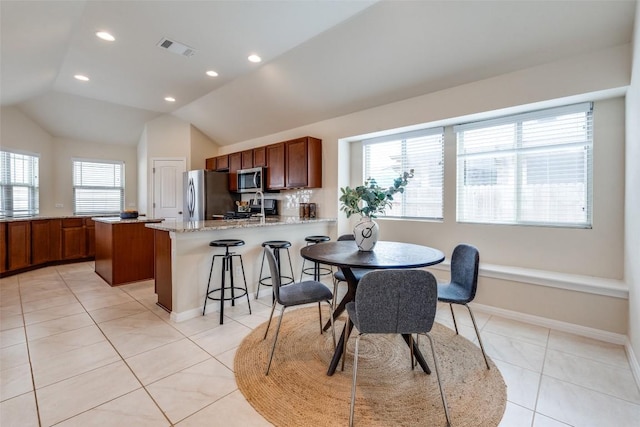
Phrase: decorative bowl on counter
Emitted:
{"points": [[129, 214]]}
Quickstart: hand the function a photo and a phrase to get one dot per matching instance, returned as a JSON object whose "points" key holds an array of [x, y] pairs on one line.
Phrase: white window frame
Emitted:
{"points": [[10, 182], [427, 186], [577, 215], [80, 207]]}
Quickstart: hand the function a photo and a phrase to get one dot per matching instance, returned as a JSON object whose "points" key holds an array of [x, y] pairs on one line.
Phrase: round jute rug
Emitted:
{"points": [[298, 391]]}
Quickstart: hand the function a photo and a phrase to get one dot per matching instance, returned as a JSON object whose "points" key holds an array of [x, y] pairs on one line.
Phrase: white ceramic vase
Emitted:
{"points": [[366, 234]]}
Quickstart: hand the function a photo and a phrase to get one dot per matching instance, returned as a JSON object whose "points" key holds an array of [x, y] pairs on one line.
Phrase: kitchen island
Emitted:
{"points": [[183, 256], [124, 249]]}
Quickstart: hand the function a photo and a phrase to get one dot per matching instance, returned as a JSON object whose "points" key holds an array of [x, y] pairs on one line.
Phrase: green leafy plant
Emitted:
{"points": [[370, 199]]}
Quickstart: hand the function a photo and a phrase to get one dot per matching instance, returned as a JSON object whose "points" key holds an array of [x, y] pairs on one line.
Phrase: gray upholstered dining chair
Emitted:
{"points": [[338, 276], [465, 261], [300, 293], [394, 302]]}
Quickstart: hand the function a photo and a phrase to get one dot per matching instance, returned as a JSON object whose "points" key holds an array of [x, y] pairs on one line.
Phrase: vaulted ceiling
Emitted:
{"points": [[321, 59]]}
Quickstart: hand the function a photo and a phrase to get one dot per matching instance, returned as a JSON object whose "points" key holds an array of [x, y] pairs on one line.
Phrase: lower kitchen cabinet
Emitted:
{"points": [[26, 244], [3, 247], [19, 243], [74, 238], [124, 250]]}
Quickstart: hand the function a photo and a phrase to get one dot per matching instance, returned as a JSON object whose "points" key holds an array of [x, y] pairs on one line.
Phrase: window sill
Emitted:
{"points": [[573, 282]]}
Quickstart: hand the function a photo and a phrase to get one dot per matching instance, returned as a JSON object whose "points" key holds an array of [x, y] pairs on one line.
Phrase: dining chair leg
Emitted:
{"points": [[435, 363], [473, 319], [411, 349], [353, 383], [320, 316], [455, 325], [273, 307], [333, 328], [347, 332], [275, 339]]}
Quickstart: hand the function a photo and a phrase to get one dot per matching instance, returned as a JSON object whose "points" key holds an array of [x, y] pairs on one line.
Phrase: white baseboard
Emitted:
{"points": [[584, 331], [606, 336], [633, 361]]}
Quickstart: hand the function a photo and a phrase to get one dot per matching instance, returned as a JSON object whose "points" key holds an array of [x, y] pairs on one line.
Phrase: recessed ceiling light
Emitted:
{"points": [[81, 78], [170, 99], [105, 36], [212, 73], [254, 58]]}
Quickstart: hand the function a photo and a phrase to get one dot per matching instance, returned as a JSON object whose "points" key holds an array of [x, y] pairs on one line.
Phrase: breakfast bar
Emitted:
{"points": [[182, 255]]}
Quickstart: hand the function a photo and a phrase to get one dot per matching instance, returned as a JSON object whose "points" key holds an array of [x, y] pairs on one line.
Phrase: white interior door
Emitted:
{"points": [[167, 188]]}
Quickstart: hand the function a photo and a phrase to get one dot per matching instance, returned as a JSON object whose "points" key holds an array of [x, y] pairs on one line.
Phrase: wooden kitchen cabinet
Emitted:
{"points": [[74, 238], [210, 163], [235, 164], [90, 235], [3, 247], [247, 159], [19, 244], [45, 241], [124, 250], [259, 157], [162, 260], [275, 166], [34, 243], [222, 163], [303, 158]]}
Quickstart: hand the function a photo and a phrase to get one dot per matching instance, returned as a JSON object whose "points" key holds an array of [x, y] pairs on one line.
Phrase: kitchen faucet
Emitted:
{"points": [[262, 219]]}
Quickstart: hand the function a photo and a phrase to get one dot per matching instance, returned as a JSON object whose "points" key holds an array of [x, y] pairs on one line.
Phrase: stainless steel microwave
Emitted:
{"points": [[250, 180]]}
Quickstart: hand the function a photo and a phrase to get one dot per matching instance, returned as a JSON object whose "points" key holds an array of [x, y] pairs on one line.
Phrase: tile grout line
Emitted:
{"points": [[121, 358]]}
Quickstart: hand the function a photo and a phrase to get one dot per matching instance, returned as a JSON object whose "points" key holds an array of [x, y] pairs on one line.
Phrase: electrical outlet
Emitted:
{"points": [[59, 205]]}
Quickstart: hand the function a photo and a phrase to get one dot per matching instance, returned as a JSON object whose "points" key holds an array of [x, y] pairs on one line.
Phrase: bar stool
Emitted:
{"points": [[275, 245], [227, 266], [316, 270]]}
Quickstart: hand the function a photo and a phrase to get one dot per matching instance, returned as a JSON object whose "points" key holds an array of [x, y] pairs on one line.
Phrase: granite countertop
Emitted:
{"points": [[42, 217], [118, 220], [194, 226]]}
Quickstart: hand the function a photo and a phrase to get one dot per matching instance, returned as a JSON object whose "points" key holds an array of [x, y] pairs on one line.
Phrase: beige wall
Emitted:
{"points": [[597, 252], [65, 150], [56, 186], [632, 197], [56, 154], [19, 132], [201, 148]]}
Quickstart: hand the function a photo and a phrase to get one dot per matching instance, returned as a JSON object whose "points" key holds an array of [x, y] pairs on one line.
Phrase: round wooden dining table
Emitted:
{"points": [[386, 255]]}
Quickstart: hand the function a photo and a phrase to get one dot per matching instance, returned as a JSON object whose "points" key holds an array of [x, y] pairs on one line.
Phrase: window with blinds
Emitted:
{"points": [[385, 158], [530, 169], [19, 193], [98, 187]]}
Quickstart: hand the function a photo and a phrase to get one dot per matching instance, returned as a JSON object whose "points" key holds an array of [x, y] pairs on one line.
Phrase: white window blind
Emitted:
{"points": [[19, 191], [532, 169], [98, 187], [385, 158]]}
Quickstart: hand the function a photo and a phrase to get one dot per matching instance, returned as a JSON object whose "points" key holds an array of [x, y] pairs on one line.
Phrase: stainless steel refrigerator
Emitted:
{"points": [[206, 193]]}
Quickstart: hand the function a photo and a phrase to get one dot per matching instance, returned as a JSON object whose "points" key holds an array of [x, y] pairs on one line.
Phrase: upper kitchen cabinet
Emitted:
{"points": [[222, 163], [210, 164], [247, 159], [219, 163], [235, 164], [303, 159], [275, 166], [260, 157]]}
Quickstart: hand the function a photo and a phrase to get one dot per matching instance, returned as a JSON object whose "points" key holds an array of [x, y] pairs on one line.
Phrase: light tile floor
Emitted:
{"points": [[76, 352]]}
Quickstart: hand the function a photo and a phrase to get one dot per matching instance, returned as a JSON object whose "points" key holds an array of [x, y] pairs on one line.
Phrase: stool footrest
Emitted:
{"points": [[242, 293]]}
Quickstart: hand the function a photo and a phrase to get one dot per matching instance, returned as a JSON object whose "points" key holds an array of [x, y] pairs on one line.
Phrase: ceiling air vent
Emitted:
{"points": [[176, 47]]}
